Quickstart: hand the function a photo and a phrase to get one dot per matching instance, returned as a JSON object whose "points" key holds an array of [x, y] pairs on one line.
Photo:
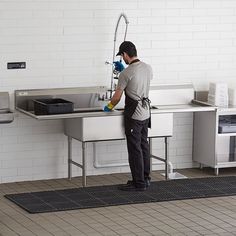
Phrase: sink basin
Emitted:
{"points": [[6, 116], [95, 128]]}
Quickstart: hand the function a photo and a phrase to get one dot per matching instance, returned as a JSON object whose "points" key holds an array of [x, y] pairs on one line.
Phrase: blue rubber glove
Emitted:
{"points": [[118, 66], [108, 107]]}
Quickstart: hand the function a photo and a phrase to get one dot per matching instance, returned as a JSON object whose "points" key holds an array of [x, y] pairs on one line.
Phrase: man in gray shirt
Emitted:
{"points": [[135, 81]]}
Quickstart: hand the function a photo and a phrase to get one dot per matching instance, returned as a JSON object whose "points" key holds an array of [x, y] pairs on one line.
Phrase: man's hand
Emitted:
{"points": [[118, 66], [108, 107]]}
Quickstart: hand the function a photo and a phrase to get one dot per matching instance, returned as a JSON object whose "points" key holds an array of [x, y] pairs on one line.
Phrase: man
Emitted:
{"points": [[135, 81]]}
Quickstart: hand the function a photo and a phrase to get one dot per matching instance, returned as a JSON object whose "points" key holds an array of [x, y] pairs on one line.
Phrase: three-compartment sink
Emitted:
{"points": [[99, 128]]}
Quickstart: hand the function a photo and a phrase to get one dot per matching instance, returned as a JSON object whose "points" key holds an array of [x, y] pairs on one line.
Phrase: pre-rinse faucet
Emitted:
{"points": [[122, 15]]}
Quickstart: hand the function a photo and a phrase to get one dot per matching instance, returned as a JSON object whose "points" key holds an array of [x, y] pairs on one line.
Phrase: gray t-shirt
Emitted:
{"points": [[135, 80]]}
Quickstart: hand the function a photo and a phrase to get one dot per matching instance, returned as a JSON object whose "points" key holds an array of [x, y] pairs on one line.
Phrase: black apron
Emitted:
{"points": [[131, 105]]}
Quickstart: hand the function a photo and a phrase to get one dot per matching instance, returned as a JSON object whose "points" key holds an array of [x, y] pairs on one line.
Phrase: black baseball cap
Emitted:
{"points": [[127, 47]]}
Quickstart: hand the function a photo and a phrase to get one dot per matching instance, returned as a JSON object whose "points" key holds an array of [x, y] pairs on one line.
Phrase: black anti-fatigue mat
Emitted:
{"points": [[101, 196]]}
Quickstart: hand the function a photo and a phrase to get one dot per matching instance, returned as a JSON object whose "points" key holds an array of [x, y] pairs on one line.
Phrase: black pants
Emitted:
{"points": [[138, 149]]}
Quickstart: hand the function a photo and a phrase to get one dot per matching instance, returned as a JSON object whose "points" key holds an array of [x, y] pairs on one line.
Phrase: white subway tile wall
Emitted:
{"points": [[65, 44]]}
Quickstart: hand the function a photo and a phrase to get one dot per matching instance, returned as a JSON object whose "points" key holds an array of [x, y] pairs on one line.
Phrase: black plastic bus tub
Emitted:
{"points": [[52, 106]]}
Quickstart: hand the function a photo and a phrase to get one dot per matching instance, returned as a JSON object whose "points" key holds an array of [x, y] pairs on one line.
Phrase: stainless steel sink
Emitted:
{"points": [[96, 128], [6, 116]]}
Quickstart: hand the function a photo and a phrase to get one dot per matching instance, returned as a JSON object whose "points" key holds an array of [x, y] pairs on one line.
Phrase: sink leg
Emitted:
{"points": [[166, 157], [84, 164], [216, 171], [69, 157]]}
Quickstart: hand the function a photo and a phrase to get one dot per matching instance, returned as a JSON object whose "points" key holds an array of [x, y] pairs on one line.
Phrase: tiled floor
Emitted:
{"points": [[209, 216]]}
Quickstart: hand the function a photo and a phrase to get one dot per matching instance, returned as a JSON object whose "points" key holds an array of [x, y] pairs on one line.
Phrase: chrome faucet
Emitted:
{"points": [[114, 47], [103, 96]]}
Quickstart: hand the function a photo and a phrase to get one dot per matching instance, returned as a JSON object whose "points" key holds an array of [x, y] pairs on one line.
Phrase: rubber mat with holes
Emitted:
{"points": [[103, 196]]}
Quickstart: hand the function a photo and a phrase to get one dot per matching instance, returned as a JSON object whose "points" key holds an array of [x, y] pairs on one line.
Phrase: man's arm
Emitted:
{"points": [[114, 100], [116, 97]]}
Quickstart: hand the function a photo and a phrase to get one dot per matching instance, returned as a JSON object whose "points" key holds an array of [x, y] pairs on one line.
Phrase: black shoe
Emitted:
{"points": [[130, 182], [131, 187], [147, 182]]}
